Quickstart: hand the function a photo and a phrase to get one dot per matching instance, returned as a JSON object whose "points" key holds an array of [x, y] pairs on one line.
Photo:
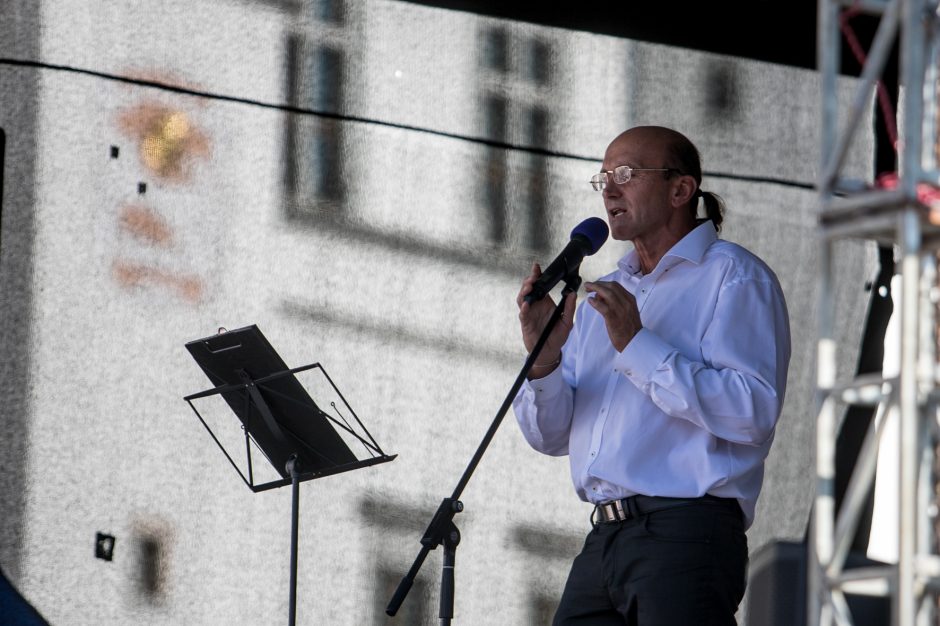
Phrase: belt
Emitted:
{"points": [[636, 506]]}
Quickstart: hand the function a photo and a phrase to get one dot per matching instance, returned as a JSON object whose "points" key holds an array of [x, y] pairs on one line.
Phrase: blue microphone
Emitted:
{"points": [[586, 239]]}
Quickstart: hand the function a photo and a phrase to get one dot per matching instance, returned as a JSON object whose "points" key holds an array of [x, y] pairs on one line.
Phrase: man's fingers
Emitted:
{"points": [[526, 288], [567, 315], [605, 286], [601, 289], [603, 293], [598, 303], [534, 274], [610, 292]]}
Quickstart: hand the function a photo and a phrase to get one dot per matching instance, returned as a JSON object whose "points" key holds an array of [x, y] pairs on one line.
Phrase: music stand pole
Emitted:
{"points": [[293, 467], [442, 528]]}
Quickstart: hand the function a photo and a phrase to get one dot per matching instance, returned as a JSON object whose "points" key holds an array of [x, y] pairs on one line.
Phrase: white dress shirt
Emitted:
{"points": [[690, 405]]}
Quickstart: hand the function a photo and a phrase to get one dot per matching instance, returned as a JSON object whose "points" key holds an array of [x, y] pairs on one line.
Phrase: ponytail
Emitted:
{"points": [[714, 208]]}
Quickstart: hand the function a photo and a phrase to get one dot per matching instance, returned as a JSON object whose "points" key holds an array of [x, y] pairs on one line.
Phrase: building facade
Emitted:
{"points": [[368, 181]]}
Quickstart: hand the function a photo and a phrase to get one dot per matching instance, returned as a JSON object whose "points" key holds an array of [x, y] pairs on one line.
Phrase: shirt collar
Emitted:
{"points": [[692, 248]]}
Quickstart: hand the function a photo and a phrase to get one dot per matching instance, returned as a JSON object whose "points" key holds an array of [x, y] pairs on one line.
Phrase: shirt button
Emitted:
{"points": [[603, 410], [593, 453]]}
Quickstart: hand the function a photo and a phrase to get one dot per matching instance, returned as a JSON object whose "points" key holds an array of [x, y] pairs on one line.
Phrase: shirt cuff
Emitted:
{"points": [[645, 352], [546, 388]]}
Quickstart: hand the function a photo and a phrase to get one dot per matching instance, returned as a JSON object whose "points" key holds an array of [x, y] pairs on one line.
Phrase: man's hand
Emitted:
{"points": [[533, 318], [618, 306]]}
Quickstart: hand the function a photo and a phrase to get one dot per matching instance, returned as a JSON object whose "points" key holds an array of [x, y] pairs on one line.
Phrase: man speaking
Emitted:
{"points": [[664, 389]]}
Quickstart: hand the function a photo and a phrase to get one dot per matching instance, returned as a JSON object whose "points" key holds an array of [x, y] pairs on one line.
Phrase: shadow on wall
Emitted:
{"points": [[14, 609], [17, 200]]}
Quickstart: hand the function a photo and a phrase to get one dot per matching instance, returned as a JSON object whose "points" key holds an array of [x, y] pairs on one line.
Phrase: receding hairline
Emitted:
{"points": [[671, 138], [673, 144]]}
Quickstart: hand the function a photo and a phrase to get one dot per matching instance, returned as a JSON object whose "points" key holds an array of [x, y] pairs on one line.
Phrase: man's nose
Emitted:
{"points": [[611, 189]]}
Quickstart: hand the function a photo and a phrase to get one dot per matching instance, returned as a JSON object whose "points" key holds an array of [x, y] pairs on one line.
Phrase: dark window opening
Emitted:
{"points": [[315, 145], [323, 80], [496, 50], [538, 62], [495, 126], [329, 11]]}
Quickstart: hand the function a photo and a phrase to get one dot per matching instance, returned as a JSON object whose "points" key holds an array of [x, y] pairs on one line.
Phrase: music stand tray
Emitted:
{"points": [[275, 410], [279, 417]]}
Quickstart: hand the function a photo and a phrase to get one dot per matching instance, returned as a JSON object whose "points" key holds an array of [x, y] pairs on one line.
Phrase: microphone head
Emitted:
{"points": [[593, 231]]}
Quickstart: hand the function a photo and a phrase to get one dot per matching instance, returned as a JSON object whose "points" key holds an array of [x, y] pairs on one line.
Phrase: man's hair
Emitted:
{"points": [[681, 154]]}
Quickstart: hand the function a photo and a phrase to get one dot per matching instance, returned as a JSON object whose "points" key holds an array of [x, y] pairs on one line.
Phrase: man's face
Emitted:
{"points": [[640, 207]]}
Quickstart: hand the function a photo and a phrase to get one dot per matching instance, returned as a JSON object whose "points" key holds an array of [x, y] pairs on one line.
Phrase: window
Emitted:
{"points": [[316, 81], [516, 77]]}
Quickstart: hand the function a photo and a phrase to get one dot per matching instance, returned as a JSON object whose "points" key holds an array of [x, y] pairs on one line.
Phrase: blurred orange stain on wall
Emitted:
{"points": [[130, 274], [146, 225], [168, 141], [169, 144]]}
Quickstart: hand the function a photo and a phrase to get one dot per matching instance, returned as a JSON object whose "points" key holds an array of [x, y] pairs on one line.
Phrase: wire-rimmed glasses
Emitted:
{"points": [[622, 174]]}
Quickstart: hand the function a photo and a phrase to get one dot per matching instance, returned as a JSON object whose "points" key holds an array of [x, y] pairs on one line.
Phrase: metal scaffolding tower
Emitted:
{"points": [[899, 217]]}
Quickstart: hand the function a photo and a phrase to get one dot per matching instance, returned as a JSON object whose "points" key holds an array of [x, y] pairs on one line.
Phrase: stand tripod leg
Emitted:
{"points": [[451, 539], [295, 501]]}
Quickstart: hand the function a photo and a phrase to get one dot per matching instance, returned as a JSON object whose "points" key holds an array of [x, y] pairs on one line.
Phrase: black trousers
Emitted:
{"points": [[685, 565]]}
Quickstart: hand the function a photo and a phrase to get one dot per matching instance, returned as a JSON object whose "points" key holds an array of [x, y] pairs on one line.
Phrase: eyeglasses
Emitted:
{"points": [[622, 174]]}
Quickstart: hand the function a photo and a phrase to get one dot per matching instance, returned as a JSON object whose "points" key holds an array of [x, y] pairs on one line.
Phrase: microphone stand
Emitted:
{"points": [[442, 529]]}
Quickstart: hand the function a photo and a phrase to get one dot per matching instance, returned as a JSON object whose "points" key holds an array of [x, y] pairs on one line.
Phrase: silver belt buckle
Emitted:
{"points": [[618, 508], [613, 511]]}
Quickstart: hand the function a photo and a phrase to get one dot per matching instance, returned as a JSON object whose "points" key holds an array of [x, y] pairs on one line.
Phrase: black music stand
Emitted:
{"points": [[280, 418]]}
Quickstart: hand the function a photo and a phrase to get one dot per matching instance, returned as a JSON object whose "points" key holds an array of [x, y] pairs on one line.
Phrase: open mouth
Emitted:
{"points": [[616, 211]]}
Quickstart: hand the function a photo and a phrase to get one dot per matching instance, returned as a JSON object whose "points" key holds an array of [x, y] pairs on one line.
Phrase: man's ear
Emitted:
{"points": [[683, 189]]}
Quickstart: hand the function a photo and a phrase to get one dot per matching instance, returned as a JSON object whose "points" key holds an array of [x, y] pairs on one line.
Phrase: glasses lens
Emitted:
{"points": [[598, 181], [622, 174]]}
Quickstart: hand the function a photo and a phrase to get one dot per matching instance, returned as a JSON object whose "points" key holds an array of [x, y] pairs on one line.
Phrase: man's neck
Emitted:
{"points": [[650, 250]]}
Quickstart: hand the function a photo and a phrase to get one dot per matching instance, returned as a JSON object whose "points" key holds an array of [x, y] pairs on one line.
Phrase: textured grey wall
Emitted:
{"points": [[19, 102], [388, 247]]}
